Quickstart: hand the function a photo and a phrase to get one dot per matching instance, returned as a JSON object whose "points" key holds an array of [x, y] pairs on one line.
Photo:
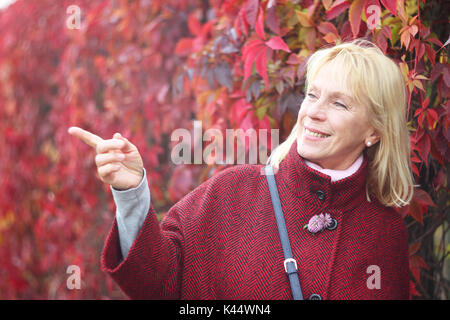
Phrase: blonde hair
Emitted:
{"points": [[376, 82]]}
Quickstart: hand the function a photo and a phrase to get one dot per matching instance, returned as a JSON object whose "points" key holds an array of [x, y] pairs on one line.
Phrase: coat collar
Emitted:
{"points": [[317, 188]]}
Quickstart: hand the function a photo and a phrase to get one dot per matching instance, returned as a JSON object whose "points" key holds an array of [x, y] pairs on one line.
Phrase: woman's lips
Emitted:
{"points": [[314, 135]]}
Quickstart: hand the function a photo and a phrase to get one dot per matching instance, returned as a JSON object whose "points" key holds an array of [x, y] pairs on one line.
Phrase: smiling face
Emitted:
{"points": [[330, 110]]}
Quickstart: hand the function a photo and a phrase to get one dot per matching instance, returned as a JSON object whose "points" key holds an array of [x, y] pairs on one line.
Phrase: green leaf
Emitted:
{"points": [[279, 86], [261, 112]]}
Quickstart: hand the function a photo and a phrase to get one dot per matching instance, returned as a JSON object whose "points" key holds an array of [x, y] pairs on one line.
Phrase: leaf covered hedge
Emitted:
{"points": [[145, 68]]}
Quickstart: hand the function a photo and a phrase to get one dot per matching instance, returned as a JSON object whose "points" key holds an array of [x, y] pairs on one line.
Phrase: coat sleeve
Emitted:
{"points": [[391, 260], [396, 277], [152, 269]]}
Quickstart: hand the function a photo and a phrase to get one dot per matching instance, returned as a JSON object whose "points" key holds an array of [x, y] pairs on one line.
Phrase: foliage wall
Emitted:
{"points": [[145, 68]]}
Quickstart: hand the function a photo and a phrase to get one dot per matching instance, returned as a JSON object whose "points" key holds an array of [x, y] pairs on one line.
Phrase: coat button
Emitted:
{"points": [[333, 224], [320, 194], [315, 296]]}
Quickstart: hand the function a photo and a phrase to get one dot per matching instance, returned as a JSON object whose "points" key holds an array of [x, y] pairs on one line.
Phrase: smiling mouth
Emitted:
{"points": [[315, 134]]}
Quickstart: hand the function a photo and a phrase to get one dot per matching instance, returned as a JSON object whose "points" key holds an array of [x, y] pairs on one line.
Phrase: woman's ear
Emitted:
{"points": [[373, 137]]}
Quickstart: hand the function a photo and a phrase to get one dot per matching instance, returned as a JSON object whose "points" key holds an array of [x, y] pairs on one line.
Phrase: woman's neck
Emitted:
{"points": [[338, 174]]}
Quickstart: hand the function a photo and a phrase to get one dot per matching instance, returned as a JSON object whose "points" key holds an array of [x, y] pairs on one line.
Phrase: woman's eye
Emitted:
{"points": [[341, 105], [312, 96]]}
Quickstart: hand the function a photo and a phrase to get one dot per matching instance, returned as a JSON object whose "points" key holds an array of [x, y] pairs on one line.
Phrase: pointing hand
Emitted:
{"points": [[118, 160]]}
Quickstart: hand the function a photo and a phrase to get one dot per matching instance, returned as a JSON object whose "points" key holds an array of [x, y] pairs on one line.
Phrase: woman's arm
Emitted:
{"points": [[396, 276], [154, 265], [132, 206], [151, 269], [390, 262]]}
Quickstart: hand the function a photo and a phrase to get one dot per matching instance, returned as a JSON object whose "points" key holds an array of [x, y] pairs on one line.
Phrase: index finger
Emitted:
{"points": [[86, 136]]}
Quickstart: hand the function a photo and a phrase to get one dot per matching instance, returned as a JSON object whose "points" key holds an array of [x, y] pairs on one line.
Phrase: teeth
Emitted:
{"points": [[315, 134]]}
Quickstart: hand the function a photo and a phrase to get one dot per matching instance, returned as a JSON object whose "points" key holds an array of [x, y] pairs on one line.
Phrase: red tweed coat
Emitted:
{"points": [[221, 240]]}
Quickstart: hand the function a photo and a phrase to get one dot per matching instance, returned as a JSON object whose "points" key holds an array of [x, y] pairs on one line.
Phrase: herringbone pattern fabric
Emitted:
{"points": [[221, 240]]}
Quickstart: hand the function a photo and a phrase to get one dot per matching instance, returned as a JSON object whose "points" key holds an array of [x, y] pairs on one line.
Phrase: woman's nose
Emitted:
{"points": [[316, 110]]}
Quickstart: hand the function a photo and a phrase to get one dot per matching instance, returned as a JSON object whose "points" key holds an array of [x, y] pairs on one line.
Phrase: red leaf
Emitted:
{"points": [[420, 119], [423, 198], [251, 11], [277, 43], [416, 263], [403, 211], [386, 30], [415, 139], [447, 76], [184, 46], [250, 54], [251, 45], [436, 154], [261, 66], [381, 41], [180, 183], [194, 25], [420, 48], [432, 117], [346, 30], [436, 42], [247, 123], [391, 5], [301, 70], [294, 59], [372, 10], [326, 27], [405, 37], [430, 53], [248, 64], [415, 210], [355, 13], [330, 38], [425, 102], [240, 109], [237, 26], [310, 38], [413, 248], [415, 159], [424, 148], [272, 20], [415, 170], [259, 27], [304, 19], [336, 9], [412, 290], [264, 123], [241, 24]]}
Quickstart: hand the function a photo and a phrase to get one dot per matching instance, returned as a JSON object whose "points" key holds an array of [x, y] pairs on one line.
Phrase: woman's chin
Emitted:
{"points": [[313, 153], [308, 153]]}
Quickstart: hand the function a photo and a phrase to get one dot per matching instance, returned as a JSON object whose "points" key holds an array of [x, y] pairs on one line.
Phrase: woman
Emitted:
{"points": [[339, 174]]}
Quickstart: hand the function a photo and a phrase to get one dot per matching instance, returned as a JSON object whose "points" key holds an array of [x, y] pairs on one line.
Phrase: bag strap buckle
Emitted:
{"points": [[286, 261]]}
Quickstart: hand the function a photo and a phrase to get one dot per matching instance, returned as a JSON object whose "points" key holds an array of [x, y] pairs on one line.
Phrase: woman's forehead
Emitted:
{"points": [[340, 93], [338, 82]]}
